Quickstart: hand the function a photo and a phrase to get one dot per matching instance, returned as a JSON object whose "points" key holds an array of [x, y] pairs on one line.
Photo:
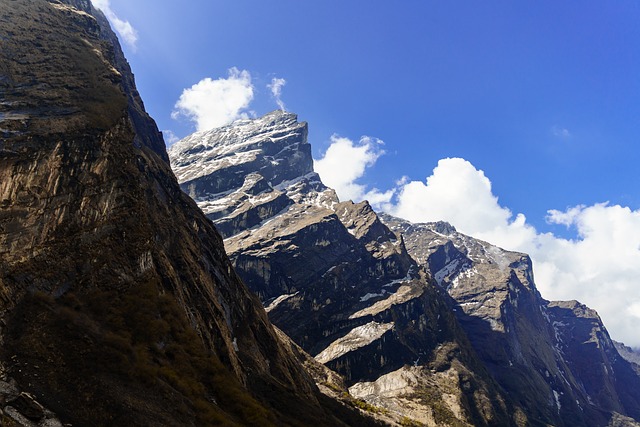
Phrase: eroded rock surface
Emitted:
{"points": [[331, 275], [118, 304], [555, 359], [422, 321]]}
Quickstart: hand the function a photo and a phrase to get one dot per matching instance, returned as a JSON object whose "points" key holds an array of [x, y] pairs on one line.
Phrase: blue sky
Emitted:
{"points": [[540, 99]]}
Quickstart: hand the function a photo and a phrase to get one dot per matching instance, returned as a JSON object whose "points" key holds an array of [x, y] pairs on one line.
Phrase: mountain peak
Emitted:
{"points": [[218, 160]]}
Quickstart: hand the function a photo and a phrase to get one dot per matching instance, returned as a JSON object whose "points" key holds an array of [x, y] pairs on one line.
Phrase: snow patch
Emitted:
{"points": [[355, 339], [464, 274], [278, 300], [446, 271], [369, 296], [556, 395]]}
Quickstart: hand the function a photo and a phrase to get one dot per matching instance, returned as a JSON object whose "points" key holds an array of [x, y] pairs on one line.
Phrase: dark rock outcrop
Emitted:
{"points": [[118, 304]]}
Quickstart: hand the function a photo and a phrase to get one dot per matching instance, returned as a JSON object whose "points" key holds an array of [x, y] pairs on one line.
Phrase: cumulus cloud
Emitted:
{"points": [[453, 184], [600, 268], [124, 29], [345, 162], [566, 218], [214, 103], [276, 91]]}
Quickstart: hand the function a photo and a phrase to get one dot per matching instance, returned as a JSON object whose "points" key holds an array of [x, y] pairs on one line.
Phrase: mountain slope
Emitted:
{"points": [[118, 304], [555, 359], [421, 321], [332, 276]]}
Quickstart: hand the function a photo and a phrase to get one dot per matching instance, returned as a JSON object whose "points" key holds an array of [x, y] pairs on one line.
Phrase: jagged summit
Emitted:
{"points": [[245, 172], [419, 319], [274, 145]]}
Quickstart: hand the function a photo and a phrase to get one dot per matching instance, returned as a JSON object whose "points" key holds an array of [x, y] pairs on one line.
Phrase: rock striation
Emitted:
{"points": [[425, 324], [118, 304], [333, 277], [555, 359]]}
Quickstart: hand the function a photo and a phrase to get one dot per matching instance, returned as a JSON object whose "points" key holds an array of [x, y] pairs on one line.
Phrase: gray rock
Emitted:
{"points": [[332, 276], [555, 359]]}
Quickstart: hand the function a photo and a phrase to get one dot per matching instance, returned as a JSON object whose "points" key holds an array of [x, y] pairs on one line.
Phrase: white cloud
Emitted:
{"points": [[601, 268], [276, 91], [453, 184], [566, 218], [170, 138], [345, 162], [124, 29], [214, 103]]}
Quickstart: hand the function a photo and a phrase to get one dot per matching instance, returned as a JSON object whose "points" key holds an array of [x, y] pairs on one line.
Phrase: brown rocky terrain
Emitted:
{"points": [[118, 304]]}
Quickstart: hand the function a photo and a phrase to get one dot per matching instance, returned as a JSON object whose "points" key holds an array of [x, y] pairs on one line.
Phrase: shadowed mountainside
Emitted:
{"points": [[118, 305]]}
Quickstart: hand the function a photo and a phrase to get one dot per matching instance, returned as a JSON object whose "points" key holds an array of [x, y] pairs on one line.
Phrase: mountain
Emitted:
{"points": [[118, 304], [424, 324], [555, 359], [332, 276], [630, 354]]}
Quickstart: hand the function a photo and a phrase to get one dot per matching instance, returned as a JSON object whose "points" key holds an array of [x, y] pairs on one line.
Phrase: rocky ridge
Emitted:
{"points": [[423, 323], [118, 304], [332, 276], [630, 354], [555, 359]]}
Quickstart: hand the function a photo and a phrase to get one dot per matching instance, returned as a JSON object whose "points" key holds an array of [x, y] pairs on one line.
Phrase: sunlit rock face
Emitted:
{"points": [[118, 304], [423, 321], [555, 359], [329, 273]]}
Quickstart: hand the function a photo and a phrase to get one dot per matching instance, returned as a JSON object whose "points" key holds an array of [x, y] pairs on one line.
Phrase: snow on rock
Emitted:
{"points": [[404, 293], [278, 300], [369, 296], [356, 338], [271, 139]]}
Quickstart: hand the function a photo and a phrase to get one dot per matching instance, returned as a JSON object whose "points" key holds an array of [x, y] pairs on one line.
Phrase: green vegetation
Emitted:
{"points": [[85, 342], [334, 387]]}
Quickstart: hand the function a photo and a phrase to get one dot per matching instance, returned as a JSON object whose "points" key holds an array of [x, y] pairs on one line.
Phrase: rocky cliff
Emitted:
{"points": [[118, 304], [630, 354], [333, 277], [555, 359], [424, 324]]}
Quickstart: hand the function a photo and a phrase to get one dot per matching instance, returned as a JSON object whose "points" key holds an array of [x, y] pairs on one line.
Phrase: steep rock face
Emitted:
{"points": [[118, 304], [630, 354], [213, 162], [333, 277], [555, 359], [609, 381]]}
